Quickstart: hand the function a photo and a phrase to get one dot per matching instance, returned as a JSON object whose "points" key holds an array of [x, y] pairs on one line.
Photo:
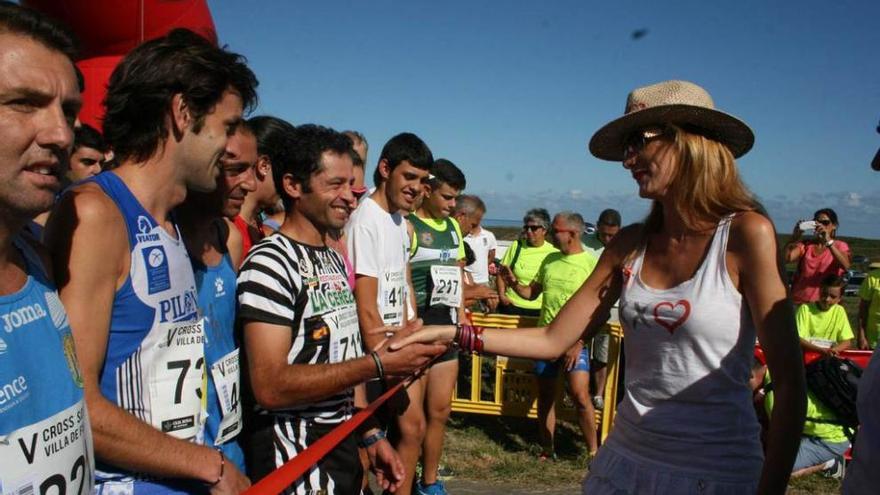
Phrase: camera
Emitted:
{"points": [[807, 225]]}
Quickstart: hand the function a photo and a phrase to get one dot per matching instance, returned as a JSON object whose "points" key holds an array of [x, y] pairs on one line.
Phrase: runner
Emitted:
{"points": [[45, 437], [695, 283], [215, 250], [436, 260], [271, 133], [377, 242], [125, 275], [300, 327]]}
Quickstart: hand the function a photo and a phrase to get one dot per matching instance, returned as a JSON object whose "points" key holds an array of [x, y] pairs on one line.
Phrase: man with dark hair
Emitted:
{"points": [[436, 260], [215, 250], [300, 327], [171, 106], [87, 158], [271, 133], [46, 438], [607, 226], [378, 241]]}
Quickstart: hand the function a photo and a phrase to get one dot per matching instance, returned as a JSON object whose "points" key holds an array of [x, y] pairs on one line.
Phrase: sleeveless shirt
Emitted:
{"points": [[155, 359], [45, 437], [689, 350], [434, 269], [216, 286]]}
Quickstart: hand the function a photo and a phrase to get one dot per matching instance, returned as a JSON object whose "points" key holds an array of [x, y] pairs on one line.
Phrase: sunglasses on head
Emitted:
{"points": [[532, 228]]}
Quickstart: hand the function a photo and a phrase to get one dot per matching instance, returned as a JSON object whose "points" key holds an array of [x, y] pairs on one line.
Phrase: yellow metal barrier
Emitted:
{"points": [[502, 386]]}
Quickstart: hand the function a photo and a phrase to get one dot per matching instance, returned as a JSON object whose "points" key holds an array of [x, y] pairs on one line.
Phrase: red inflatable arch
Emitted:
{"points": [[108, 29]]}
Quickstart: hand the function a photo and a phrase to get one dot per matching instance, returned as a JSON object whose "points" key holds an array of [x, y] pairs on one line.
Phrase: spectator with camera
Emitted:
{"points": [[817, 255]]}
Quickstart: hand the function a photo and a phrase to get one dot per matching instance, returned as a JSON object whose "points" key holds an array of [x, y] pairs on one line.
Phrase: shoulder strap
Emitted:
{"points": [[518, 247]]}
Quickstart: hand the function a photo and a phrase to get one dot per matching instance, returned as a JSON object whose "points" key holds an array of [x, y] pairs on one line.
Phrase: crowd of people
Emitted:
{"points": [[227, 291]]}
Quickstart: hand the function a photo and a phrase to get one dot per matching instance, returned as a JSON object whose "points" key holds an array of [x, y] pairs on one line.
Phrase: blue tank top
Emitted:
{"points": [[45, 437], [154, 364], [216, 286]]}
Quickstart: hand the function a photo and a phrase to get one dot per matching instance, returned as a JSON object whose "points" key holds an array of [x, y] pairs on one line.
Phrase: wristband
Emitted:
{"points": [[372, 439], [380, 370], [469, 338], [222, 468]]}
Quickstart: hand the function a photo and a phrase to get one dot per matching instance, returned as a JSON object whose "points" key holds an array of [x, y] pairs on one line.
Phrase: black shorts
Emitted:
{"points": [[339, 472], [440, 315]]}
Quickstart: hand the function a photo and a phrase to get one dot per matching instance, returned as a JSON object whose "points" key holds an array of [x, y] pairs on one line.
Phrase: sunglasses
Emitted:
{"points": [[824, 222], [637, 141], [358, 192], [532, 228]]}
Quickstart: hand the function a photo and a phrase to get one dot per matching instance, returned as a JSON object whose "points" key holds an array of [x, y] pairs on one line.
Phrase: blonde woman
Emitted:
{"points": [[697, 280]]}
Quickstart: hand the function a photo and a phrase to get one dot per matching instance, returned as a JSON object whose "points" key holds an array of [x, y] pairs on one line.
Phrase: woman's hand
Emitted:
{"points": [[431, 334], [797, 233]]}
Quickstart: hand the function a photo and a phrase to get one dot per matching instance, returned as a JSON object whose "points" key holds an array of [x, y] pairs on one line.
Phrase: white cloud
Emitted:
{"points": [[858, 212]]}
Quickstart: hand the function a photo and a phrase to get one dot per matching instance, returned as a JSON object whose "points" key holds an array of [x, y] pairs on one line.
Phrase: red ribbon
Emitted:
{"points": [[277, 481]]}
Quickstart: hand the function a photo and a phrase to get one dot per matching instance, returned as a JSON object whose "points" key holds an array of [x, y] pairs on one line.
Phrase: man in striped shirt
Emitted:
{"points": [[302, 342]]}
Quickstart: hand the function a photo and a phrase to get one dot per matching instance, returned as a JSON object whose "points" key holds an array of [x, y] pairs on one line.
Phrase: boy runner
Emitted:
{"points": [[436, 259]]}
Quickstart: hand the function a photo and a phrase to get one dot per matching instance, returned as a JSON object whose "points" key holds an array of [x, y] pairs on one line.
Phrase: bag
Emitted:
{"points": [[834, 382]]}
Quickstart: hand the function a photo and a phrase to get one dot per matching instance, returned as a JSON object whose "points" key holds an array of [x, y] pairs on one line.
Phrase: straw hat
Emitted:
{"points": [[671, 102]]}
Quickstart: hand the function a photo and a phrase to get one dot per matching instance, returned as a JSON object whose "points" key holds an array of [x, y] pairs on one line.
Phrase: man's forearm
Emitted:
{"points": [[299, 384], [122, 440]]}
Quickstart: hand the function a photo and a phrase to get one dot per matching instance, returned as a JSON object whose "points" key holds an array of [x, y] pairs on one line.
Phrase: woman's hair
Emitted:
{"points": [[706, 185], [539, 215], [832, 215]]}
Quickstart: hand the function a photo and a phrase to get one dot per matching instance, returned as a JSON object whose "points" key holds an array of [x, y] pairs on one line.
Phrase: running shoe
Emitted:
{"points": [[435, 488]]}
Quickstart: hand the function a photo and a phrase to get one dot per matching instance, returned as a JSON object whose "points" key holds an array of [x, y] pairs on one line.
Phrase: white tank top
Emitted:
{"points": [[689, 351]]}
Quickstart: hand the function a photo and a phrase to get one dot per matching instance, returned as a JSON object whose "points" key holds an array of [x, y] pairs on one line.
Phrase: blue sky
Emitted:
{"points": [[511, 91]]}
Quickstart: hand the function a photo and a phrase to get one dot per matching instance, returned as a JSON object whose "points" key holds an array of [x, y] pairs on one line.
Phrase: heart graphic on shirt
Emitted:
{"points": [[679, 310]]}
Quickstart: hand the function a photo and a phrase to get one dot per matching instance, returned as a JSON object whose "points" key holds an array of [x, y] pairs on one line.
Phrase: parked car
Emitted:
{"points": [[859, 259], [854, 279]]}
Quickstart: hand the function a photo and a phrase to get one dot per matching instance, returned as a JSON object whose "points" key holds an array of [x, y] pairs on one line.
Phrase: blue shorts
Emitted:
{"points": [[550, 369]]}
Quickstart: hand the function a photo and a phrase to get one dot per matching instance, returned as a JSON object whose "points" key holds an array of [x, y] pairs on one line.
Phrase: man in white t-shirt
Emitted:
{"points": [[378, 244], [469, 211], [607, 226]]}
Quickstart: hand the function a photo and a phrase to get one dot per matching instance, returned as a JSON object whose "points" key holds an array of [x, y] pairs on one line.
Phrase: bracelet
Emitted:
{"points": [[380, 370], [829, 243], [372, 439], [222, 468], [469, 338]]}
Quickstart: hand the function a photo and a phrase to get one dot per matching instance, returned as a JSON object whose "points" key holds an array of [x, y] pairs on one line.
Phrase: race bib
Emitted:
{"points": [[51, 457], [176, 380], [447, 285], [226, 376], [345, 335], [392, 297]]}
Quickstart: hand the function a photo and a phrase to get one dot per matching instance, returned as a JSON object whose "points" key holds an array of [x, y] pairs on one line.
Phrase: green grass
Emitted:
{"points": [[501, 450]]}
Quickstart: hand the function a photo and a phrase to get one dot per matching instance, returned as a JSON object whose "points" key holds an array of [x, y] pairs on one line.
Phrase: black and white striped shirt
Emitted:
{"points": [[304, 288]]}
